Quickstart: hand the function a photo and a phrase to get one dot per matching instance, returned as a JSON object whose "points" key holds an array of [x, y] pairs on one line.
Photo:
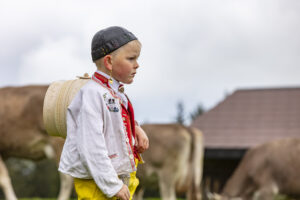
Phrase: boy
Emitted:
{"points": [[103, 140]]}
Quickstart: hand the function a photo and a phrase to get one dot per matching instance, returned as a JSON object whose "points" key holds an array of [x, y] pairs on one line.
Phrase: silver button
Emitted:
{"points": [[127, 140], [131, 156]]}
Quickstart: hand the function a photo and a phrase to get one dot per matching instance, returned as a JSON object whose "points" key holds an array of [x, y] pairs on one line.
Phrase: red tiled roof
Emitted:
{"points": [[251, 117]]}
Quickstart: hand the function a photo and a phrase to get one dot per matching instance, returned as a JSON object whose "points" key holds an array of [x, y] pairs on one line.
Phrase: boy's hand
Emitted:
{"points": [[142, 139], [124, 193]]}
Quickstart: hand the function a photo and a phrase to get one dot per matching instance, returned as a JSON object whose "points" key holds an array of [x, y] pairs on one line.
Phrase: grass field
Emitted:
{"points": [[75, 199], [278, 197]]}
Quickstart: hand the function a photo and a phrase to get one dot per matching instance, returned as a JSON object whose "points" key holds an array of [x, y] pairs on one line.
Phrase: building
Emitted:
{"points": [[246, 118]]}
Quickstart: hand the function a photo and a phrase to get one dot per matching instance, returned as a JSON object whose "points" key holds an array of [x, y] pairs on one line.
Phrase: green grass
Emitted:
{"points": [[282, 197], [74, 199], [40, 199], [70, 199], [278, 197]]}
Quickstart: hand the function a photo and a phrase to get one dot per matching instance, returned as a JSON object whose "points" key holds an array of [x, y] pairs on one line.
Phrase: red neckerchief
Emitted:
{"points": [[129, 111], [131, 115], [132, 124], [102, 79]]}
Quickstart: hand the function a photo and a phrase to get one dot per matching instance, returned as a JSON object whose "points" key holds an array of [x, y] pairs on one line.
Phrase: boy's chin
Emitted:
{"points": [[128, 81]]}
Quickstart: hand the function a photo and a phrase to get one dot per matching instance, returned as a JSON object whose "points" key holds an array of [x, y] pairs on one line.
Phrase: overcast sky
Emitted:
{"points": [[193, 51]]}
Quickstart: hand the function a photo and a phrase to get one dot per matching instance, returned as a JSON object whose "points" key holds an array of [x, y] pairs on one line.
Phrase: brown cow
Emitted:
{"points": [[23, 134], [175, 154], [267, 170]]}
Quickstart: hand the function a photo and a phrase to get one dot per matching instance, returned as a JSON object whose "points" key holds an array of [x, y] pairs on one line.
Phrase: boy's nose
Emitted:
{"points": [[137, 65]]}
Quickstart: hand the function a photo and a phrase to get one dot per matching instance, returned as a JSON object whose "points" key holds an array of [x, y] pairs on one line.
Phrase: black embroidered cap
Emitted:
{"points": [[107, 40]]}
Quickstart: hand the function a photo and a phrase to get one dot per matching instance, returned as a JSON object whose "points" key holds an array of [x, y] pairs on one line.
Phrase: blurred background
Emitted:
{"points": [[194, 54], [193, 51]]}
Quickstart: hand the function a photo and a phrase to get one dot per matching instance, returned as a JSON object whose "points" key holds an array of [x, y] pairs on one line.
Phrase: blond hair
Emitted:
{"points": [[100, 62]]}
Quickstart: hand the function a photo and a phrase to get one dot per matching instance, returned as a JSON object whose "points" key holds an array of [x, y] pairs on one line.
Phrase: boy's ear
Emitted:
{"points": [[107, 60]]}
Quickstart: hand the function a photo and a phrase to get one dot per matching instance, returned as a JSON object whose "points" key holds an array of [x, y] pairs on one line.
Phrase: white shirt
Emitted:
{"points": [[97, 145], [115, 86]]}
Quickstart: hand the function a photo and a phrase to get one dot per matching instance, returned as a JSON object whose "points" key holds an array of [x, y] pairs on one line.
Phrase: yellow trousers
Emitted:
{"points": [[87, 189]]}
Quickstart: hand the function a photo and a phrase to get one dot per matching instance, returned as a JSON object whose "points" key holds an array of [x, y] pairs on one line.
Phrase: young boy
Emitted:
{"points": [[103, 141]]}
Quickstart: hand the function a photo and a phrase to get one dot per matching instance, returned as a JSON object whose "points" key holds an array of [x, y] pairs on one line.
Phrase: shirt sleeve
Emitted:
{"points": [[88, 116]]}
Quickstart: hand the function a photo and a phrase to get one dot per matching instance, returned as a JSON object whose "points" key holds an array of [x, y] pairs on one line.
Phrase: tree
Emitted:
{"points": [[180, 113], [197, 112]]}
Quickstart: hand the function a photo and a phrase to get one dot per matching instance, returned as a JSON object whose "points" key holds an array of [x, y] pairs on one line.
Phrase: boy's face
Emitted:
{"points": [[124, 64]]}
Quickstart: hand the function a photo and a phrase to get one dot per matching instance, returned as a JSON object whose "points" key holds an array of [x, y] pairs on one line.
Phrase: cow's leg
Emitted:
{"points": [[194, 191], [5, 182], [66, 185], [167, 182], [138, 195], [267, 192], [66, 181]]}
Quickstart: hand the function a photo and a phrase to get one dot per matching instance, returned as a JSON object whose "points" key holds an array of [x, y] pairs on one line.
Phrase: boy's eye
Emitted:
{"points": [[131, 58]]}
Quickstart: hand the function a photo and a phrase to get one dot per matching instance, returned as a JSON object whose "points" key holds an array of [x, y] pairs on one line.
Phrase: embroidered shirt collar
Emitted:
{"points": [[115, 85]]}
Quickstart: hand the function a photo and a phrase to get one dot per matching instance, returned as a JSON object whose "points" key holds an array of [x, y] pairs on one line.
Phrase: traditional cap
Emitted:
{"points": [[107, 40]]}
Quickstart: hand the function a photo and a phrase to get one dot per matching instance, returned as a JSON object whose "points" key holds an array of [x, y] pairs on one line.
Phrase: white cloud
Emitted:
{"points": [[53, 60], [192, 50]]}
